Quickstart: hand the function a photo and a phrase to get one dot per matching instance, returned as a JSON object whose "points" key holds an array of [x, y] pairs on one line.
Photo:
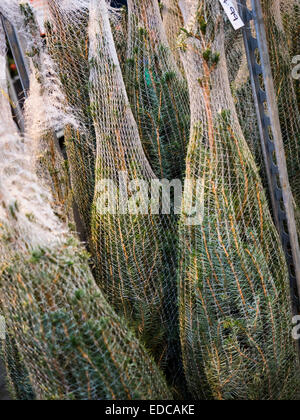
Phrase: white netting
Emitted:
{"points": [[173, 22], [241, 89], [134, 254], [67, 39], [290, 13], [289, 114], [136, 263], [73, 346], [157, 91], [46, 112], [234, 290]]}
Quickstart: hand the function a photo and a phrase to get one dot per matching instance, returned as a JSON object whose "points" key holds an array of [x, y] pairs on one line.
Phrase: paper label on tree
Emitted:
{"points": [[232, 13]]}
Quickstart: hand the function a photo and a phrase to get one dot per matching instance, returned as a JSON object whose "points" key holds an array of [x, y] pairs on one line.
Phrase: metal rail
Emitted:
{"points": [[272, 142]]}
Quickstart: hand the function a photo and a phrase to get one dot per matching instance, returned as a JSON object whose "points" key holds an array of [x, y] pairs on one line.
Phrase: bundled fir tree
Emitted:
{"points": [[71, 343], [234, 292], [157, 91], [290, 14], [134, 247]]}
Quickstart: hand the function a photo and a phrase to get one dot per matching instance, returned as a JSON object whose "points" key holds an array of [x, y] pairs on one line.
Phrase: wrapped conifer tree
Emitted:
{"points": [[234, 291], [281, 64], [241, 89], [157, 91], [290, 13], [68, 43]]}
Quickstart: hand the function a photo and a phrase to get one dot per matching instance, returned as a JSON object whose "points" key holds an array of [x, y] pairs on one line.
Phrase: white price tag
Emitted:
{"points": [[232, 13]]}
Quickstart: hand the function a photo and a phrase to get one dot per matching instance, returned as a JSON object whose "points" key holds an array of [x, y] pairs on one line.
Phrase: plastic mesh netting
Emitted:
{"points": [[289, 114], [46, 113], [49, 160], [148, 95], [290, 13], [157, 91], [119, 27], [134, 254], [135, 249], [234, 298], [173, 22], [73, 346], [68, 43], [241, 90]]}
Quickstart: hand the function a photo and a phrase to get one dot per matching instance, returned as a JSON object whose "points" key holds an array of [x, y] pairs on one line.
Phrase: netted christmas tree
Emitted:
{"points": [[119, 27], [72, 344], [234, 290], [290, 13], [241, 90], [68, 44], [134, 247], [45, 113], [157, 91], [173, 22]]}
